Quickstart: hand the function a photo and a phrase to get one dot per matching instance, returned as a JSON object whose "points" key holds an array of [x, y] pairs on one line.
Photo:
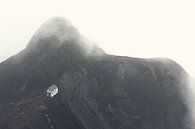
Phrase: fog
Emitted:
{"points": [[122, 27], [131, 28]]}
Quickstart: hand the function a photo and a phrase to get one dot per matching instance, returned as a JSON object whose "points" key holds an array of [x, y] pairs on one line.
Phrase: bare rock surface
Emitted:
{"points": [[96, 90]]}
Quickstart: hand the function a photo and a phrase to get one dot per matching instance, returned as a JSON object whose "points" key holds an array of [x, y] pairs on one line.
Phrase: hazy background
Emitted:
{"points": [[137, 28]]}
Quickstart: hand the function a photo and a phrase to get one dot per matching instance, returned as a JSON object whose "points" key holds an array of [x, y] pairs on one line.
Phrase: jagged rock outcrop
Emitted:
{"points": [[96, 90]]}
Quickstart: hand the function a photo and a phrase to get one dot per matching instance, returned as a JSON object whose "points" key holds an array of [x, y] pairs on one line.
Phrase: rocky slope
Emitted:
{"points": [[96, 90]]}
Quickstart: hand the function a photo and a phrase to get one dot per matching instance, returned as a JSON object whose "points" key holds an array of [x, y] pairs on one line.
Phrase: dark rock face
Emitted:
{"points": [[96, 90]]}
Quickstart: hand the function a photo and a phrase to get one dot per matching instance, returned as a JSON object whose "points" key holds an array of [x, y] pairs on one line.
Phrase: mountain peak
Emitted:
{"points": [[58, 27], [58, 31]]}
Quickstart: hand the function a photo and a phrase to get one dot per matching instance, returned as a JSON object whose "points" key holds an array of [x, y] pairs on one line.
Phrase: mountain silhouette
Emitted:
{"points": [[96, 90]]}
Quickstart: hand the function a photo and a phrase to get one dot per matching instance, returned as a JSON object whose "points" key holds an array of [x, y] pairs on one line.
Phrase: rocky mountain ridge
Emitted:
{"points": [[96, 90]]}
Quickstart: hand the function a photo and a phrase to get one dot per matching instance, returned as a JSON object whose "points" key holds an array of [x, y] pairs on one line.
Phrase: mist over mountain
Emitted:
{"points": [[96, 90]]}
